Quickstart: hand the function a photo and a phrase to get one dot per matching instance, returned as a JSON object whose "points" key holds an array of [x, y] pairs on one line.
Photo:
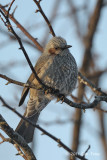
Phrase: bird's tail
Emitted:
{"points": [[34, 107], [25, 129]]}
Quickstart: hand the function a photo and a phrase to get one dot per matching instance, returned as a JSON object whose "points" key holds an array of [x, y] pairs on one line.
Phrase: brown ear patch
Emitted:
{"points": [[52, 50]]}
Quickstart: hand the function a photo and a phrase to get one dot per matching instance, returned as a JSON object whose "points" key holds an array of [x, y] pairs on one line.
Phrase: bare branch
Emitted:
{"points": [[18, 83], [87, 82], [86, 106], [44, 16], [101, 109], [15, 145], [16, 138], [50, 90], [88, 42], [87, 150], [62, 97], [61, 144], [22, 29], [10, 7], [10, 28]]}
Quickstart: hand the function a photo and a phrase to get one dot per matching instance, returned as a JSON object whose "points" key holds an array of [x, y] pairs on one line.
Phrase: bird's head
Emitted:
{"points": [[56, 45]]}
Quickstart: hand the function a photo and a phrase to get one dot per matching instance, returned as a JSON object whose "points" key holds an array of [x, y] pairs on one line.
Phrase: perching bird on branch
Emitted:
{"points": [[56, 68]]}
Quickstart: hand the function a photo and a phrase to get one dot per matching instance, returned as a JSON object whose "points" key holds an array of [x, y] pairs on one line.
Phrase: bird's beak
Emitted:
{"points": [[67, 46]]}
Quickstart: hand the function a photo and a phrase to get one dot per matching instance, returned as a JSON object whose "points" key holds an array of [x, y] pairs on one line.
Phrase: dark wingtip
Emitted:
{"points": [[20, 103], [22, 100], [23, 96]]}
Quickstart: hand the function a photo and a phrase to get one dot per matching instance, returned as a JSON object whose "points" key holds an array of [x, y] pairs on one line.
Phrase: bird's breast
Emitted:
{"points": [[62, 74]]}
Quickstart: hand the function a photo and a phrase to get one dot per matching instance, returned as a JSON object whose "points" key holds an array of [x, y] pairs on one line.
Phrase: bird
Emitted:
{"points": [[56, 68]]}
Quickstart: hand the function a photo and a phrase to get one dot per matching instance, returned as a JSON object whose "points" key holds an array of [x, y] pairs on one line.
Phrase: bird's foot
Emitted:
{"points": [[47, 90], [52, 91], [61, 98]]}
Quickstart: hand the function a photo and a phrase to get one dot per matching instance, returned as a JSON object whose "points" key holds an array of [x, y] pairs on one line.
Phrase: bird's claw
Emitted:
{"points": [[61, 98], [52, 91], [48, 90]]}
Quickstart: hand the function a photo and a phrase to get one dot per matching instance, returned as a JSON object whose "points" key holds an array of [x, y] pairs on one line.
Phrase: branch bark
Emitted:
{"points": [[16, 139]]}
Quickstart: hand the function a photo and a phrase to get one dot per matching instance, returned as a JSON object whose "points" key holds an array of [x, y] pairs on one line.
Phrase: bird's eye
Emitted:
{"points": [[56, 48]]}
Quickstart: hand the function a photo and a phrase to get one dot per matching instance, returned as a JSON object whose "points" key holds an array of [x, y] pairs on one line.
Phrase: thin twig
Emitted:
{"points": [[10, 7], [18, 83], [10, 28], [86, 150], [101, 109], [22, 29], [87, 82], [44, 16]]}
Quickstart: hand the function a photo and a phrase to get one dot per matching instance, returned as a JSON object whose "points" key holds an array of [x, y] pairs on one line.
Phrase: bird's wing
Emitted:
{"points": [[40, 63], [26, 89]]}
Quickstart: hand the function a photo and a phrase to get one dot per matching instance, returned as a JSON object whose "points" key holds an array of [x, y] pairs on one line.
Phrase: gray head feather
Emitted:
{"points": [[55, 42]]}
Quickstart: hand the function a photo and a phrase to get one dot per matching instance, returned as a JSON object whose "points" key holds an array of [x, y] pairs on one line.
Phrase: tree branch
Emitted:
{"points": [[16, 138], [88, 42], [15, 145], [18, 83], [44, 16], [50, 90], [64, 99], [87, 82], [10, 28], [61, 144], [22, 29]]}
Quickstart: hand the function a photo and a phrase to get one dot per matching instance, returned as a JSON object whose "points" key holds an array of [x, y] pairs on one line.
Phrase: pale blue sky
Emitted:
{"points": [[47, 148]]}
